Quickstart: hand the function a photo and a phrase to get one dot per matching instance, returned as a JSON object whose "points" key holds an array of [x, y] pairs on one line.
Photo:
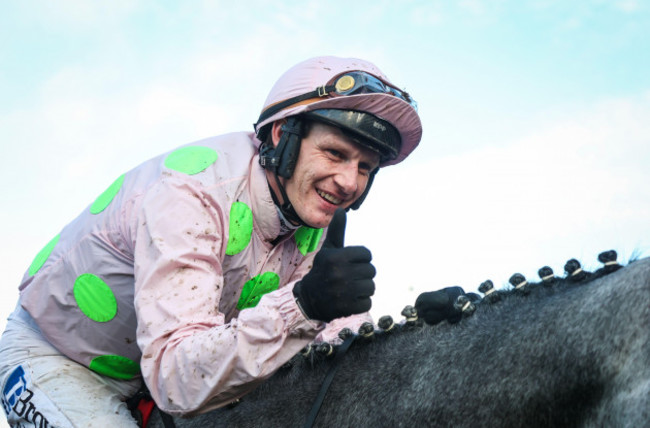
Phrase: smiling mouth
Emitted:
{"points": [[329, 198]]}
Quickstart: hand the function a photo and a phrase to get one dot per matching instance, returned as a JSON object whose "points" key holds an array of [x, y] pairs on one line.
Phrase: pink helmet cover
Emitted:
{"points": [[315, 72]]}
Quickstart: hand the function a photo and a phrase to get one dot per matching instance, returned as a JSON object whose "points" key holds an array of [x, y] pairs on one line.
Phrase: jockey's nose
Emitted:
{"points": [[346, 178]]}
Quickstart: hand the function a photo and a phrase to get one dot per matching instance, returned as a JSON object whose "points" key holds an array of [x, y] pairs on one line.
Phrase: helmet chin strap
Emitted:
{"points": [[286, 208], [282, 160]]}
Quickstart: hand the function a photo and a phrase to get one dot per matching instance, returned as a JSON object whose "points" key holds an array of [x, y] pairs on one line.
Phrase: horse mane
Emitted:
{"points": [[549, 284], [559, 351]]}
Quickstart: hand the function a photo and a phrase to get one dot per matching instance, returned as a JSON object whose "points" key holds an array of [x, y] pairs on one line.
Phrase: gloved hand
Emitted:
{"points": [[436, 306], [340, 282]]}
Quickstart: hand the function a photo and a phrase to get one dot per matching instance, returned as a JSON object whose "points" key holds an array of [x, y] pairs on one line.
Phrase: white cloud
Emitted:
{"points": [[474, 7], [74, 15], [424, 16], [627, 5], [574, 188]]}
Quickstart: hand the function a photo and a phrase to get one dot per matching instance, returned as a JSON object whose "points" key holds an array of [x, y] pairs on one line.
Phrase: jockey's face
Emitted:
{"points": [[332, 172]]}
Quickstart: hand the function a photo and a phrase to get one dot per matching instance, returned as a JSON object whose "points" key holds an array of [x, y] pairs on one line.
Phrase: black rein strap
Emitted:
{"points": [[168, 421], [327, 381]]}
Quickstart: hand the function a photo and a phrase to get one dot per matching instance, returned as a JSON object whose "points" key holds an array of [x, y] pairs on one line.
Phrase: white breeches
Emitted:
{"points": [[40, 387]]}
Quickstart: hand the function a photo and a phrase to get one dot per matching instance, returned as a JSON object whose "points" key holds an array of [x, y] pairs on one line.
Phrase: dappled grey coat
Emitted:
{"points": [[565, 353]]}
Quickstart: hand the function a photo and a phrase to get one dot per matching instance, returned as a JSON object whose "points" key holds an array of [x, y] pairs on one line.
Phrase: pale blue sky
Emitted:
{"points": [[536, 120]]}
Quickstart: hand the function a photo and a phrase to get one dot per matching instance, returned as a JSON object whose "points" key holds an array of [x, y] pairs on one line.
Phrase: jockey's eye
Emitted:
{"points": [[335, 153]]}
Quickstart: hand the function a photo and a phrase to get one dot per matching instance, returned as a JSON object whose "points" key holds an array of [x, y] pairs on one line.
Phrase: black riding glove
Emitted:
{"points": [[436, 306], [340, 282]]}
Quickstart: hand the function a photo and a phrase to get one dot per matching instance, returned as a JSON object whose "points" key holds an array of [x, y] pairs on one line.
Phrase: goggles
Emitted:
{"points": [[352, 83], [359, 82]]}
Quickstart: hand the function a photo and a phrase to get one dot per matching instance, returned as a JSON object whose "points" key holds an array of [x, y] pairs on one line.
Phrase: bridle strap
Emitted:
{"points": [[133, 403], [311, 418]]}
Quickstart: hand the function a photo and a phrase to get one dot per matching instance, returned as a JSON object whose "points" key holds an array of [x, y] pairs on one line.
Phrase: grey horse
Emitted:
{"points": [[571, 351]]}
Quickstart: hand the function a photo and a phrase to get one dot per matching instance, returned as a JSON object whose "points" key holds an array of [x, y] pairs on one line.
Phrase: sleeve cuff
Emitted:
{"points": [[286, 304]]}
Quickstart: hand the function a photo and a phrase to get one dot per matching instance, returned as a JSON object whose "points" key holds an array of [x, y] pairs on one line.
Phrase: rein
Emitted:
{"points": [[142, 406], [340, 352]]}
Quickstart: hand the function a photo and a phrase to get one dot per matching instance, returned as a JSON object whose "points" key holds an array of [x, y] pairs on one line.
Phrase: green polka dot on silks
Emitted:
{"points": [[241, 228], [42, 256], [191, 160], [95, 298], [256, 287], [115, 366], [107, 197], [307, 239]]}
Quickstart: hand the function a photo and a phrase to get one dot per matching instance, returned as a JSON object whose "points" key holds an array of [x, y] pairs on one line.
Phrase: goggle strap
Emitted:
{"points": [[319, 92]]}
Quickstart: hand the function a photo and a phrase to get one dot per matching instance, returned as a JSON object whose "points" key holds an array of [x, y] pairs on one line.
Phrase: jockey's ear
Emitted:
{"points": [[276, 131]]}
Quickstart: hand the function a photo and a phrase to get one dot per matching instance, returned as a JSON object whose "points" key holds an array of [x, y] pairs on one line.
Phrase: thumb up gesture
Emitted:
{"points": [[340, 281]]}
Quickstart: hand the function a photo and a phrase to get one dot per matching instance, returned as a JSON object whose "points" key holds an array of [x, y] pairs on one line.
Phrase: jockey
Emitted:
{"points": [[201, 270]]}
